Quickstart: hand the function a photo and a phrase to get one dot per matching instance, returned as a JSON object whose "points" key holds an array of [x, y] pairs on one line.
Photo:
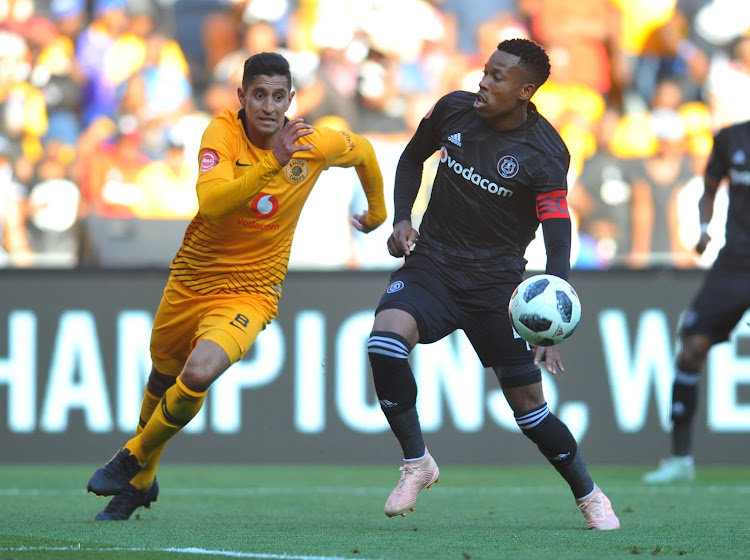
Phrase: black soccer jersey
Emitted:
{"points": [[483, 208], [730, 157]]}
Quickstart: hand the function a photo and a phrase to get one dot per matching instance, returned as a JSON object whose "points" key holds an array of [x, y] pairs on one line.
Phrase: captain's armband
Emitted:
{"points": [[552, 204]]}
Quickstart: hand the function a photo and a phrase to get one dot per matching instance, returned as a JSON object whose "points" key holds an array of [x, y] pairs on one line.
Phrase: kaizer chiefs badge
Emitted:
{"points": [[297, 170], [507, 166]]}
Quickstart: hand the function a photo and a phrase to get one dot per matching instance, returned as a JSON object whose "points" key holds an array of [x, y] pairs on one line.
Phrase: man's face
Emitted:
{"points": [[503, 88], [266, 101]]}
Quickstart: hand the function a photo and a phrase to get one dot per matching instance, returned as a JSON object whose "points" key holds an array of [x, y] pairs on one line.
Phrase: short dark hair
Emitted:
{"points": [[266, 64], [533, 58]]}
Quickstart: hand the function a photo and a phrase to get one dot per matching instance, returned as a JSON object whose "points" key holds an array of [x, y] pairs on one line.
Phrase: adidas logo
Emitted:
{"points": [[455, 138], [737, 159]]}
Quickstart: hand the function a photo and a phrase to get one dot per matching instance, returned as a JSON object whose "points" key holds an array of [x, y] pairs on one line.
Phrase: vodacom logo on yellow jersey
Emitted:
{"points": [[468, 173], [264, 205]]}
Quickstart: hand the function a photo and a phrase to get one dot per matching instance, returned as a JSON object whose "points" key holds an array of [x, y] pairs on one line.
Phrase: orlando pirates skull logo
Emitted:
{"points": [[507, 166]]}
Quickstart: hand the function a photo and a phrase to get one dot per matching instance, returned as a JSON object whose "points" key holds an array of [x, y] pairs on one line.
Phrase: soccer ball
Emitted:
{"points": [[544, 310]]}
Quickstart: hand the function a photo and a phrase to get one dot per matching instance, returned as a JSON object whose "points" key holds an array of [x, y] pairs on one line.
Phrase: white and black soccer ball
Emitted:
{"points": [[544, 310]]}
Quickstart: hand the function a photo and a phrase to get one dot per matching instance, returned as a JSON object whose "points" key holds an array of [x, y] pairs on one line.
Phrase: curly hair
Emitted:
{"points": [[266, 64], [533, 58]]}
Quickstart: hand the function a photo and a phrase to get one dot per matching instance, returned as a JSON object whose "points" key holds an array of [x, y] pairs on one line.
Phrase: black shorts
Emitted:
{"points": [[445, 299], [719, 305]]}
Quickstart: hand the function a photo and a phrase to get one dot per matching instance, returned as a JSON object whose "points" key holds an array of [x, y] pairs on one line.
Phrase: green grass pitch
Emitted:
{"points": [[336, 512]]}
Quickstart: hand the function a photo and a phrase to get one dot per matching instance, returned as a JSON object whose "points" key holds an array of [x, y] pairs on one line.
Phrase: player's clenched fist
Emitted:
{"points": [[402, 239]]}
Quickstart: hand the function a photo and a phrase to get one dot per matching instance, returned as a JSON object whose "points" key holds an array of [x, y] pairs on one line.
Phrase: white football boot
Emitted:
{"points": [[673, 469]]}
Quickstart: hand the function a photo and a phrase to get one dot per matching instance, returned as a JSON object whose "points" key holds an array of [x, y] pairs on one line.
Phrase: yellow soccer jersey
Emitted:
{"points": [[240, 239]]}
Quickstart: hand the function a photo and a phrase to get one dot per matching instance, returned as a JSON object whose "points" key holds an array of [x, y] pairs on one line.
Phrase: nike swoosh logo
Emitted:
{"points": [[238, 164]]}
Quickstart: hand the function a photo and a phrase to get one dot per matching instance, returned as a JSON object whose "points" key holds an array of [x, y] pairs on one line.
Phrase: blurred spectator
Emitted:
{"points": [[657, 182], [53, 221], [728, 87], [220, 35], [717, 22], [589, 30], [601, 198], [467, 17], [57, 74], [259, 36], [167, 187], [24, 112], [571, 106], [166, 92], [398, 75], [102, 73], [74, 71], [69, 17], [667, 52], [108, 179], [332, 91], [405, 61], [15, 249], [380, 103], [129, 49], [188, 16]]}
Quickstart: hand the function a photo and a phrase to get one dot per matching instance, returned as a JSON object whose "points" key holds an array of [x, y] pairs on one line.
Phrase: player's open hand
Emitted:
{"points": [[550, 356], [402, 240], [359, 221], [286, 144]]}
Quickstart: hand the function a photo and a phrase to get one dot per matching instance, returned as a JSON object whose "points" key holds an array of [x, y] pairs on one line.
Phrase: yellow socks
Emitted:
{"points": [[177, 407], [144, 479], [147, 409]]}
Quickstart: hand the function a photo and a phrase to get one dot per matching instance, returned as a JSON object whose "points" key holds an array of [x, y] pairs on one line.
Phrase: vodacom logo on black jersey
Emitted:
{"points": [[468, 173]]}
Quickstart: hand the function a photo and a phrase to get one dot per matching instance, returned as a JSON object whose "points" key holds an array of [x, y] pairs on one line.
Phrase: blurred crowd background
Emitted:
{"points": [[103, 103]]}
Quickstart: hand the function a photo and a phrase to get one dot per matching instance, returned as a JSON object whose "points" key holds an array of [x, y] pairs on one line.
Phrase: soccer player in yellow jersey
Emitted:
{"points": [[257, 168]]}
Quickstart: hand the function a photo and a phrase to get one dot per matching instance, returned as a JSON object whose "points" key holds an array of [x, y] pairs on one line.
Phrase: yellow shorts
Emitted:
{"points": [[184, 317]]}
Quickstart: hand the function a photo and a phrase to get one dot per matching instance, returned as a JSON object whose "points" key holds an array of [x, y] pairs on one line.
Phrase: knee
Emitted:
{"points": [[524, 398], [195, 378], [158, 382], [206, 363], [693, 353], [386, 348]]}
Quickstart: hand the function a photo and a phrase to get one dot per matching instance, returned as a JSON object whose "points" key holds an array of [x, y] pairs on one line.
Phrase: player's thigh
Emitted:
{"points": [[173, 329], [424, 297], [234, 323], [184, 317], [525, 397], [496, 342], [718, 306], [397, 321]]}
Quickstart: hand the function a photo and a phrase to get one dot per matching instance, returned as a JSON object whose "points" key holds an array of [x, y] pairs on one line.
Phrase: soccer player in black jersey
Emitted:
{"points": [[502, 171], [721, 301]]}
